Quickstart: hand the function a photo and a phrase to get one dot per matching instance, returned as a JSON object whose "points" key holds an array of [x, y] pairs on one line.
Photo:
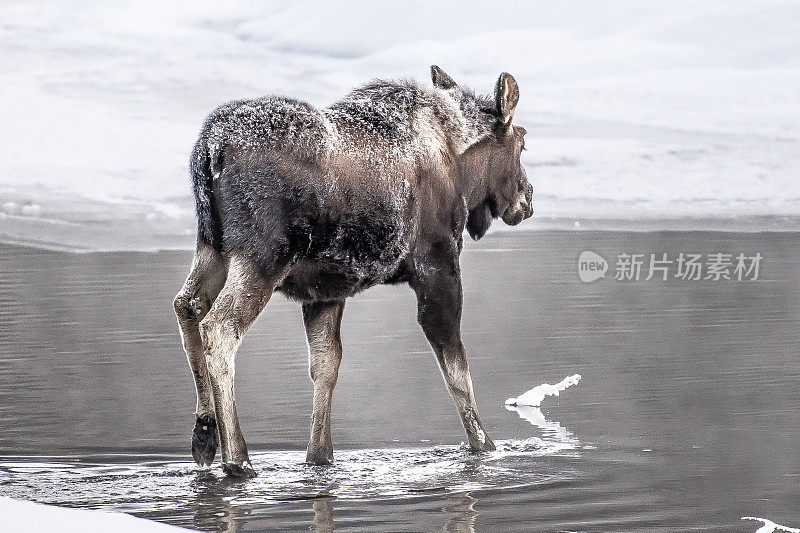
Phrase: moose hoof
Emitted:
{"points": [[204, 440], [243, 471], [319, 456], [319, 461], [485, 446]]}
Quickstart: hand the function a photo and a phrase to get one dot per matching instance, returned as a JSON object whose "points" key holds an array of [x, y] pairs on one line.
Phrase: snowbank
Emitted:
{"points": [[35, 517], [635, 110]]}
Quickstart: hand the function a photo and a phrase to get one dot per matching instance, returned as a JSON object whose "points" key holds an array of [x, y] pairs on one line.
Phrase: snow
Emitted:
{"points": [[634, 110], [34, 517], [770, 526], [535, 396]]}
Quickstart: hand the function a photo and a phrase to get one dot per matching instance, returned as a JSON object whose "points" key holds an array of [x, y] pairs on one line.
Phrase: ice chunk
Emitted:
{"points": [[770, 526], [535, 396]]}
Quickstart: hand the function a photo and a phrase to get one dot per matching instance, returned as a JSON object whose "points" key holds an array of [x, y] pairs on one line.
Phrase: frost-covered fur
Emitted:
{"points": [[322, 203], [369, 151]]}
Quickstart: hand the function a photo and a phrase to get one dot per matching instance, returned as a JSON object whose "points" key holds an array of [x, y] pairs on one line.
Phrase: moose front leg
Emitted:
{"points": [[323, 322], [438, 288]]}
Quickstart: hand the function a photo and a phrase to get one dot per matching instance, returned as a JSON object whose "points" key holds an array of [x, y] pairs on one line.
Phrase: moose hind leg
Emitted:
{"points": [[323, 324], [238, 304], [205, 280]]}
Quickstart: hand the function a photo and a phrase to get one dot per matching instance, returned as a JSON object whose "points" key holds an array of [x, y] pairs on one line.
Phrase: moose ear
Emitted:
{"points": [[478, 221], [440, 79], [506, 96]]}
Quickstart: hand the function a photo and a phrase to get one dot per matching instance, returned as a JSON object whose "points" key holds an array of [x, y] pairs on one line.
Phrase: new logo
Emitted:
{"points": [[591, 266]]}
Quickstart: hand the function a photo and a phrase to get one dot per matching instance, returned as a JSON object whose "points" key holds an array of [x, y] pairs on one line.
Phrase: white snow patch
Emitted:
{"points": [[34, 517], [770, 526], [535, 396], [481, 435]]}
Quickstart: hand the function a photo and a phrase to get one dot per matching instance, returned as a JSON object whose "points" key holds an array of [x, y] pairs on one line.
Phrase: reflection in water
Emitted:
{"points": [[213, 508], [161, 489], [323, 516], [185, 494], [527, 407], [461, 508], [223, 505], [550, 429]]}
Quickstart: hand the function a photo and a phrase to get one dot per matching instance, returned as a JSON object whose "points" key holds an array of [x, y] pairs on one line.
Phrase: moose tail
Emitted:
{"points": [[205, 167]]}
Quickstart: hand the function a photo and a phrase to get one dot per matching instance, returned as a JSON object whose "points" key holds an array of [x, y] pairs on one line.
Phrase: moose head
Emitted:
{"points": [[498, 184]]}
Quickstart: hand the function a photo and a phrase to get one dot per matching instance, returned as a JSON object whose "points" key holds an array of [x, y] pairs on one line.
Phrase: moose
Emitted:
{"points": [[320, 204]]}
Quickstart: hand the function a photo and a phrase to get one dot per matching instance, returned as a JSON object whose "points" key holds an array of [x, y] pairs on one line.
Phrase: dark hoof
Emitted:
{"points": [[322, 456], [204, 440], [319, 461], [486, 446], [243, 471]]}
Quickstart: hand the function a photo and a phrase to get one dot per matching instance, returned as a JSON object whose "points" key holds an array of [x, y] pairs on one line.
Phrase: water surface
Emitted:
{"points": [[687, 415]]}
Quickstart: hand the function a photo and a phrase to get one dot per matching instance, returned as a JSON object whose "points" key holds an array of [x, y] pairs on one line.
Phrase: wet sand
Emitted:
{"points": [[687, 415]]}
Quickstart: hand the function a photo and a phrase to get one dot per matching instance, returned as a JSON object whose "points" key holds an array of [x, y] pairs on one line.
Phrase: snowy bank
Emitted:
{"points": [[635, 110], [34, 517]]}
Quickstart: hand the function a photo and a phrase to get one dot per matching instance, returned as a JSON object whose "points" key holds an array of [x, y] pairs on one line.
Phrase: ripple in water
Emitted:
{"points": [[356, 474]]}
